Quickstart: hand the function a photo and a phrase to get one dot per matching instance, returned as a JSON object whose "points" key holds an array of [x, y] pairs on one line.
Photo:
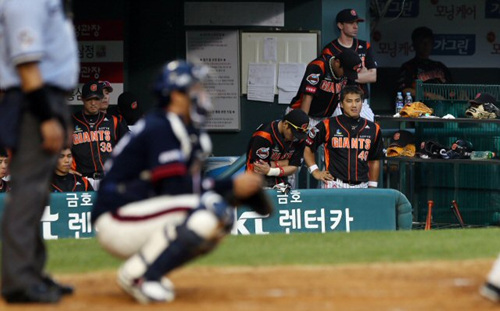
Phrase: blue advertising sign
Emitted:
{"points": [[454, 44]]}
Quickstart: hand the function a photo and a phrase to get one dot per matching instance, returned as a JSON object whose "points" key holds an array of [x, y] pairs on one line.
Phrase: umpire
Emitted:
{"points": [[38, 67]]}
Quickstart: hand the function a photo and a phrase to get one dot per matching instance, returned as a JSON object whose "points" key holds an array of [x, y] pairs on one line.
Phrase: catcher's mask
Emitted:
{"points": [[185, 77]]}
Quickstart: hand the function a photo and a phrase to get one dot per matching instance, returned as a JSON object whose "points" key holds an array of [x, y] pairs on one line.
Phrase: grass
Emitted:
{"points": [[70, 256]]}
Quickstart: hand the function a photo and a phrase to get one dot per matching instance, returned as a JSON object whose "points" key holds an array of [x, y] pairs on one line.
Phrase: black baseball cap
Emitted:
{"points": [[350, 61], [348, 16], [106, 86], [299, 122], [92, 89], [483, 98], [128, 106], [402, 138]]}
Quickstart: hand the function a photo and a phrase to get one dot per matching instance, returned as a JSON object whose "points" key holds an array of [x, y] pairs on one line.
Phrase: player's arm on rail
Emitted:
{"points": [[373, 171]]}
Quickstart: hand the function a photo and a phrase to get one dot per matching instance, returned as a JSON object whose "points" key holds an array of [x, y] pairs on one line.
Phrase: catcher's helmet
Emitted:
{"points": [[180, 75]]}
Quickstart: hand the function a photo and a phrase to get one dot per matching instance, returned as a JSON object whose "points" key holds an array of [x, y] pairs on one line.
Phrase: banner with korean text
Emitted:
{"points": [[466, 33]]}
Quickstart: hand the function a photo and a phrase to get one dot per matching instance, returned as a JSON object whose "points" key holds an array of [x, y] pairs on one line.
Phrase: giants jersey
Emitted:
{"points": [[267, 144], [69, 183], [427, 70], [319, 82], [163, 157], [361, 47], [349, 145], [93, 142]]}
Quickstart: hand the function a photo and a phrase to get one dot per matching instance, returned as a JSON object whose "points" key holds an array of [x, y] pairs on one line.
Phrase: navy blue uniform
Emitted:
{"points": [[153, 161]]}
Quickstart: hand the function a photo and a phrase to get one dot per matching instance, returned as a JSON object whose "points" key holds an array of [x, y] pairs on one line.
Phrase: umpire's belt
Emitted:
{"points": [[351, 183]]}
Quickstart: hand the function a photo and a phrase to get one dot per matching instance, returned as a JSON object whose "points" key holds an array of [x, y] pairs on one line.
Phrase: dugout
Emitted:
{"points": [[473, 184]]}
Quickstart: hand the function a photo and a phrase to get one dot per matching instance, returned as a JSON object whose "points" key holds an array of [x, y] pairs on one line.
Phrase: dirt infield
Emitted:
{"points": [[403, 286]]}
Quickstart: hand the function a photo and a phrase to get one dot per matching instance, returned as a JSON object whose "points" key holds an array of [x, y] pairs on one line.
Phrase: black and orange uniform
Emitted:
{"points": [[94, 137], [349, 145], [362, 48], [70, 183], [319, 82], [429, 71], [268, 144], [4, 186]]}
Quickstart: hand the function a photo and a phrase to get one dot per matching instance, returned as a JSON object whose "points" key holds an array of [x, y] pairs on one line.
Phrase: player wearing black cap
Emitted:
{"points": [[347, 22], [94, 134], [322, 82], [353, 146], [276, 148]]}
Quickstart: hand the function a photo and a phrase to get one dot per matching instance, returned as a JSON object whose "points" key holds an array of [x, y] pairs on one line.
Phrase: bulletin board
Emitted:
{"points": [[291, 47]]}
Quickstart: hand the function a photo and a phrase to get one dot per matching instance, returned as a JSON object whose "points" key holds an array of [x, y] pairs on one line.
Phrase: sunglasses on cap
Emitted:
{"points": [[298, 129]]}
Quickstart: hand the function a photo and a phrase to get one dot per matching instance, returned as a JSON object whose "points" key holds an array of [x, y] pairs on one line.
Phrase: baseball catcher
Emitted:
{"points": [[153, 208]]}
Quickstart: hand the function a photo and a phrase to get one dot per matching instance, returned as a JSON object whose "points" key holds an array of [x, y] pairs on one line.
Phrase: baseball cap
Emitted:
{"points": [[92, 89], [106, 85], [483, 98], [348, 16], [350, 61], [129, 108], [402, 138], [299, 122]]}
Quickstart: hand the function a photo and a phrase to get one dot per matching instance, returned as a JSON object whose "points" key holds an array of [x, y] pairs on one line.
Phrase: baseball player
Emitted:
{"points": [[421, 67], [4, 165], [106, 90], [63, 180], [323, 80], [38, 69], [276, 148], [347, 22], [352, 144], [153, 209], [95, 134]]}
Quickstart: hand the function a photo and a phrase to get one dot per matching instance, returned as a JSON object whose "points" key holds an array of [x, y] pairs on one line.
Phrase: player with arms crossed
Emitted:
{"points": [[347, 22], [276, 148], [353, 146], [153, 208]]}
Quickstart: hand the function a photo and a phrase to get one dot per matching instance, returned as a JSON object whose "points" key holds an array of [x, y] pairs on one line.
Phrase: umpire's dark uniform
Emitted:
{"points": [[31, 32]]}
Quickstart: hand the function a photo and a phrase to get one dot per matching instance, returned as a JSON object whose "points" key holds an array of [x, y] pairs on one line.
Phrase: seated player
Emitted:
{"points": [[63, 180], [4, 166]]}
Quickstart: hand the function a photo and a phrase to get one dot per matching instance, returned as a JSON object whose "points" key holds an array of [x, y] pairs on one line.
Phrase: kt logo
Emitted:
{"points": [[254, 222]]}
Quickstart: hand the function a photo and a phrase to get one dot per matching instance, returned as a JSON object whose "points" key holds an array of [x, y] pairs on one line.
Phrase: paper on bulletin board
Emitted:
{"points": [[261, 82], [271, 49], [289, 79]]}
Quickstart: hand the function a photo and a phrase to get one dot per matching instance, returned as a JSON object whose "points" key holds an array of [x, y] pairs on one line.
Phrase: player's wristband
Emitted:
{"points": [[373, 184], [312, 168], [39, 104], [274, 171]]}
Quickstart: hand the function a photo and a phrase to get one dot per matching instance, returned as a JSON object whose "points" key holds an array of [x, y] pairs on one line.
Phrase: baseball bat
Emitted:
{"points": [[430, 204], [456, 212]]}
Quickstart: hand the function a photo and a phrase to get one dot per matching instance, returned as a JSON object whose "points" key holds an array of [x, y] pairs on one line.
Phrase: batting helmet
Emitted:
{"points": [[180, 75]]}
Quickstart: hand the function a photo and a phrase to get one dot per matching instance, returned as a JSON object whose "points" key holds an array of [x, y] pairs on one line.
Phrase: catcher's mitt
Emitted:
{"points": [[415, 110], [397, 151], [482, 111], [259, 202]]}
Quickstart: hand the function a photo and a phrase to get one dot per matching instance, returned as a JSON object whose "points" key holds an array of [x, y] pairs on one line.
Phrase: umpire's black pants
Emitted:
{"points": [[31, 168]]}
